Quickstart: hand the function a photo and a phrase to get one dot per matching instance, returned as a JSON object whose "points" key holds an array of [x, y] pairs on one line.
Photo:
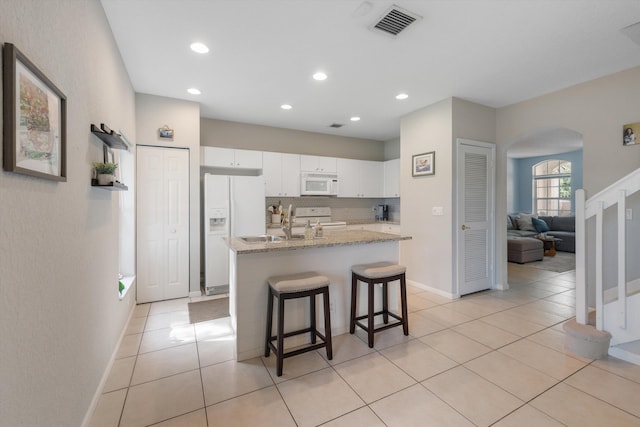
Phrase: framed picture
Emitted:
{"points": [[35, 120], [629, 133], [165, 132], [423, 164]]}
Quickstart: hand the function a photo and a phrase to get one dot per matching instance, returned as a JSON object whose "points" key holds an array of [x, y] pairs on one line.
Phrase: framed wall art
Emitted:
{"points": [[35, 116], [630, 134], [165, 132], [423, 164]]}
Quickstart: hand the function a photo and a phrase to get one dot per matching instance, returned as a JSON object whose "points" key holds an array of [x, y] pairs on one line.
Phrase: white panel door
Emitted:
{"points": [[163, 223], [475, 216]]}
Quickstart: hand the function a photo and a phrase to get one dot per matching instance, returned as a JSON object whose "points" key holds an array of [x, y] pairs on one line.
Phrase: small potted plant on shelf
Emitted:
{"points": [[105, 172]]}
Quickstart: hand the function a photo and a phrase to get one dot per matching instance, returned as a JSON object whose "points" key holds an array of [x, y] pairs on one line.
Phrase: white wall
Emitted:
{"points": [[60, 316], [597, 109], [153, 112], [428, 255]]}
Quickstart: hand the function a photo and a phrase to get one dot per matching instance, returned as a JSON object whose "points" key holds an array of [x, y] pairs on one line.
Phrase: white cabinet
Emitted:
{"points": [[390, 228], [281, 174], [392, 178], [230, 158], [360, 178], [318, 164]]}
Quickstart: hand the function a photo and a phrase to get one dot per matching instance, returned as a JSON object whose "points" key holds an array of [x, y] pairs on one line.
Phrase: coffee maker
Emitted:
{"points": [[382, 212]]}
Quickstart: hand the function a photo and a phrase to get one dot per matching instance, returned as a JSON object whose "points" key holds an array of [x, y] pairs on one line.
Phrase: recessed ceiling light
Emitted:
{"points": [[355, 119], [199, 47], [194, 91], [320, 76], [286, 107], [402, 96]]}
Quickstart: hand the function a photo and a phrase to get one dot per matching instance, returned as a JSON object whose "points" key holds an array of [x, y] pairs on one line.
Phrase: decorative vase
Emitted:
{"points": [[105, 179]]}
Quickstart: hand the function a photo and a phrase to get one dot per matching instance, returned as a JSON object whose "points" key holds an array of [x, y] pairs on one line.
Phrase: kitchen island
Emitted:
{"points": [[331, 256]]}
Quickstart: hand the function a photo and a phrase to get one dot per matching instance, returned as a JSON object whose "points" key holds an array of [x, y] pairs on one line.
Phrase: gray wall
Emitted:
{"points": [[60, 316], [220, 133]]}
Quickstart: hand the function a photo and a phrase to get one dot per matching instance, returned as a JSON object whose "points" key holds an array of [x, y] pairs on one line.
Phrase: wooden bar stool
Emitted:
{"points": [[302, 285], [379, 272]]}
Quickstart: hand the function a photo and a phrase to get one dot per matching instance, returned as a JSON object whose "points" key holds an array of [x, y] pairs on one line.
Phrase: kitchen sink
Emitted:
{"points": [[270, 239]]}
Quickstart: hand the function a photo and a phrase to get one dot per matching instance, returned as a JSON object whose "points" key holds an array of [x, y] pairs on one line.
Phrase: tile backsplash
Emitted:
{"points": [[342, 209]]}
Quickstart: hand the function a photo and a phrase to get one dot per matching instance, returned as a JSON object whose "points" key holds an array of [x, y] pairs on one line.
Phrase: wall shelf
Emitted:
{"points": [[109, 137], [114, 186]]}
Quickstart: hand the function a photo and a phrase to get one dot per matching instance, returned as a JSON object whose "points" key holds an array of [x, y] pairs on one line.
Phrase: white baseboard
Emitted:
{"points": [[432, 289], [96, 397], [194, 294]]}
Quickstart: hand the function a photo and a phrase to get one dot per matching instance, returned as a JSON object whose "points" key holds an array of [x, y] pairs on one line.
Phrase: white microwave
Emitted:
{"points": [[318, 184]]}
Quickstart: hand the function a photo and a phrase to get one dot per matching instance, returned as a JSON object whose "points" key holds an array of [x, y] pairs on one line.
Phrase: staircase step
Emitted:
{"points": [[586, 340], [629, 352]]}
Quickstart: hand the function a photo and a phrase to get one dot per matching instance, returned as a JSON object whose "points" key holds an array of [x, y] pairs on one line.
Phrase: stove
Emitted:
{"points": [[313, 215]]}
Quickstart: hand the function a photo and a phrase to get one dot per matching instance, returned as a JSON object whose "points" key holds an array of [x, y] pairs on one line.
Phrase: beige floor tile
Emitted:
{"points": [[486, 334], [179, 304], [120, 375], [618, 391], [141, 310], [532, 291], [438, 299], [487, 301], [554, 339], [551, 362], [162, 399], [214, 329], [563, 298], [136, 325], [417, 302], [165, 338], [373, 377], [517, 378], [413, 290], [167, 320], [455, 346], [525, 312], [318, 397], [471, 309], [417, 406], [561, 310], [514, 296], [216, 350], [420, 326], [363, 417], [620, 367], [513, 324], [108, 409], [573, 407], [386, 338], [474, 397], [263, 408], [445, 316], [163, 363], [194, 419], [129, 346], [295, 366], [551, 286], [418, 359], [527, 416], [346, 347], [230, 379]]}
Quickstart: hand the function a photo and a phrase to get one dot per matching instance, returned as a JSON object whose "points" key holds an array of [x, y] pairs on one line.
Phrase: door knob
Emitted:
{"points": [[464, 227]]}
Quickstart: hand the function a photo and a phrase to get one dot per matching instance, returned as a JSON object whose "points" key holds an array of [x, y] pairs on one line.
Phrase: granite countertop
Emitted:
{"points": [[350, 222], [334, 238]]}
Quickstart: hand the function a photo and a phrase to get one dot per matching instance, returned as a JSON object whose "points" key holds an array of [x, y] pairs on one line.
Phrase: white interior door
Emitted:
{"points": [[475, 215], [163, 223]]}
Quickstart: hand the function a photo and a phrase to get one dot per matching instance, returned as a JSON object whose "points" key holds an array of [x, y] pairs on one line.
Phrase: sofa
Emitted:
{"points": [[524, 225]]}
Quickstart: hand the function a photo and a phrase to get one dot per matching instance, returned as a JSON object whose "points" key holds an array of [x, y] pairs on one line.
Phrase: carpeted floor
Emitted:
{"points": [[202, 311], [563, 261]]}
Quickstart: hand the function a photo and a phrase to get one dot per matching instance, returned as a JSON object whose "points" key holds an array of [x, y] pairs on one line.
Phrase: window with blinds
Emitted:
{"points": [[552, 188]]}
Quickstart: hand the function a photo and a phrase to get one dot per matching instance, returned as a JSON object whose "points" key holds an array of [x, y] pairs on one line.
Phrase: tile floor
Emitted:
{"points": [[493, 358]]}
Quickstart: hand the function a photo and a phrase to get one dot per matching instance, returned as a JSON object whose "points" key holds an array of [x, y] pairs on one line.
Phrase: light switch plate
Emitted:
{"points": [[437, 211], [629, 214]]}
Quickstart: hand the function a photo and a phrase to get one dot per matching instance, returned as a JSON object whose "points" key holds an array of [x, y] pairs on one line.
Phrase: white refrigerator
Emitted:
{"points": [[233, 206]]}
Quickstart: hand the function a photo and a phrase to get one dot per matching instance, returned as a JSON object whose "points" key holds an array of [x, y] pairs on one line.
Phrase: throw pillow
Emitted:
{"points": [[509, 223], [539, 225], [525, 223]]}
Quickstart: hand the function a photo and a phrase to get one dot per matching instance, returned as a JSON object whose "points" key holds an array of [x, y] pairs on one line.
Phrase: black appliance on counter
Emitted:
{"points": [[382, 213]]}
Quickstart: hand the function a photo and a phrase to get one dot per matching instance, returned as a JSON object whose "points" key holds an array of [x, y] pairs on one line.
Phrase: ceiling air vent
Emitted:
{"points": [[395, 20], [336, 125]]}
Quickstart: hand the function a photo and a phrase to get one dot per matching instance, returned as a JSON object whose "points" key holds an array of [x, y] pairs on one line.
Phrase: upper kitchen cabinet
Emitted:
{"points": [[360, 178], [318, 164], [281, 173], [392, 178], [230, 158]]}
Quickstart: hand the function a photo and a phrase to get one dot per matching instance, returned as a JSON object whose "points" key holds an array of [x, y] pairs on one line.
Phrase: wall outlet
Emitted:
{"points": [[437, 211], [628, 214]]}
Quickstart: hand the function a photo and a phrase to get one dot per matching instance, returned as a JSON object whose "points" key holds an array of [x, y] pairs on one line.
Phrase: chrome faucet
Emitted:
{"points": [[286, 224]]}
